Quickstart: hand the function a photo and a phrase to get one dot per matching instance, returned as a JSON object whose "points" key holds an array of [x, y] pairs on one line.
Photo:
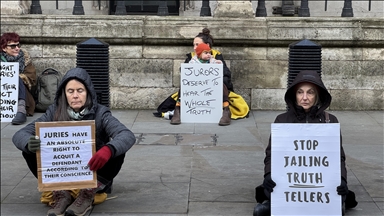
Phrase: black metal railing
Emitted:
{"points": [[287, 8], [120, 8], [35, 7]]}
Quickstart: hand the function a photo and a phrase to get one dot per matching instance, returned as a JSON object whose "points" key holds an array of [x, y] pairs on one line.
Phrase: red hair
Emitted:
{"points": [[7, 37]]}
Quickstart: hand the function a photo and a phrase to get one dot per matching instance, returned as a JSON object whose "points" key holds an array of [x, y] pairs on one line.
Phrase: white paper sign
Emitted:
{"points": [[65, 152], [201, 93], [9, 90], [306, 168]]}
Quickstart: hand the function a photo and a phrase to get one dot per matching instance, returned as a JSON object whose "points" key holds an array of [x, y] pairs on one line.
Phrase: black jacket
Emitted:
{"points": [[109, 130], [296, 114]]}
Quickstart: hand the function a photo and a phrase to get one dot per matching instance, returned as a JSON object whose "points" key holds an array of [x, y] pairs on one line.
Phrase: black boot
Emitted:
{"points": [[262, 209], [19, 119], [175, 120]]}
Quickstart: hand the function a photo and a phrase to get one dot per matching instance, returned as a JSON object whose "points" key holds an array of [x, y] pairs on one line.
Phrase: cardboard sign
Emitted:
{"points": [[66, 148], [201, 93], [9, 90], [306, 168]]}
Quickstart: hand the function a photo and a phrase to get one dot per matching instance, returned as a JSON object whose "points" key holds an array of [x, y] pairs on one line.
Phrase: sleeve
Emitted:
{"points": [[227, 79], [267, 160], [122, 139], [20, 138], [189, 57], [194, 60], [343, 168], [30, 72]]}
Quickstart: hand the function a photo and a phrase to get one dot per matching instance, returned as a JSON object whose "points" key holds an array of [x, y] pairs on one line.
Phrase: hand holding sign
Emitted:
{"points": [[34, 144], [343, 188], [100, 158], [268, 183]]}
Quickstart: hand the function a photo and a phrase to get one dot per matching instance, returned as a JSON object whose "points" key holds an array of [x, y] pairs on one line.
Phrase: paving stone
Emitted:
{"points": [[220, 208], [200, 169], [165, 197], [177, 139]]}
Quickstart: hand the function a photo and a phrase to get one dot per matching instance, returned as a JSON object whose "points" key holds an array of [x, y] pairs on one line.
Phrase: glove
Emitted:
{"points": [[343, 188], [34, 144], [268, 183], [100, 158]]}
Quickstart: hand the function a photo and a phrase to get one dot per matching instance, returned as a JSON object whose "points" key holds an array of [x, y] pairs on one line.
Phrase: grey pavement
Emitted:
{"points": [[200, 169]]}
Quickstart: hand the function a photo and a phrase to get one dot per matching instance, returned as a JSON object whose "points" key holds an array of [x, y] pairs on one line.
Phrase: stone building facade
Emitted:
{"points": [[361, 8], [145, 52]]}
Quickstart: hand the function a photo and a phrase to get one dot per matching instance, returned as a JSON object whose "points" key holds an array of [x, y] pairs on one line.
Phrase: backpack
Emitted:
{"points": [[47, 84]]}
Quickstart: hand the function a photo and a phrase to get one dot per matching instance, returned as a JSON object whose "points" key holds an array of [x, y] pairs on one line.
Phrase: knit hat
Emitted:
{"points": [[202, 47]]}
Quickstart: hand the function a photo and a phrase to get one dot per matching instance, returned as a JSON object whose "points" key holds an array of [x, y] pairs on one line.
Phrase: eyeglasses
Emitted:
{"points": [[13, 46]]}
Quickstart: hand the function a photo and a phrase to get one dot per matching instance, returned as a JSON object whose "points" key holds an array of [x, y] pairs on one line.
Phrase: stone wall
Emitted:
{"points": [[146, 51], [334, 8]]}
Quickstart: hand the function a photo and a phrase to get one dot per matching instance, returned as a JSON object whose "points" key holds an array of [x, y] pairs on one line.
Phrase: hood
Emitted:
{"points": [[314, 78], [81, 75]]}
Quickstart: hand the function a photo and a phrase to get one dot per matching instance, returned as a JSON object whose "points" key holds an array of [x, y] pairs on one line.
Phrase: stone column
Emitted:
{"points": [[236, 9]]}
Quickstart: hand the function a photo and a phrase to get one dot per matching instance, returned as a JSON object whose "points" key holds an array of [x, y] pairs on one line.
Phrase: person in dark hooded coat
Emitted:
{"points": [[76, 101], [307, 99]]}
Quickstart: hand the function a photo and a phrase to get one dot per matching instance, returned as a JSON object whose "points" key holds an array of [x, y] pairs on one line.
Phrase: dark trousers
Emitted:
{"points": [[106, 174], [22, 90]]}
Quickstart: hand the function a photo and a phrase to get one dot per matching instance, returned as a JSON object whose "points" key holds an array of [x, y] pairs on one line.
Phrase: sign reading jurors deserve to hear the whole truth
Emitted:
{"points": [[306, 169], [201, 93], [9, 90], [65, 150]]}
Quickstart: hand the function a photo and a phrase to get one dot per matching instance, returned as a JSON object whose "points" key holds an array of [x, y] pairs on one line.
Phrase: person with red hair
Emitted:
{"points": [[12, 52]]}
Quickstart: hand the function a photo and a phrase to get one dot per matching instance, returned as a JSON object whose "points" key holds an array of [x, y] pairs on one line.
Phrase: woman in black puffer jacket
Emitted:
{"points": [[76, 100], [307, 99]]}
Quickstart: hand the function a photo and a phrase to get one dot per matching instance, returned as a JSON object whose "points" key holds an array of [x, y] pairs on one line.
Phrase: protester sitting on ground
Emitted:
{"points": [[204, 55], [206, 37], [11, 52], [76, 100], [237, 107], [307, 98]]}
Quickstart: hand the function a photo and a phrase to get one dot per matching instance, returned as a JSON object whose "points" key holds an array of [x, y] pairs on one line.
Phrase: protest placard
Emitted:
{"points": [[306, 168], [9, 90], [201, 93], [66, 148]]}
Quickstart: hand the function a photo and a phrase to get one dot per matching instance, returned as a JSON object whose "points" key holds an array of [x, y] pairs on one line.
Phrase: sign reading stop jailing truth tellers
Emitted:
{"points": [[201, 93], [306, 168], [9, 90]]}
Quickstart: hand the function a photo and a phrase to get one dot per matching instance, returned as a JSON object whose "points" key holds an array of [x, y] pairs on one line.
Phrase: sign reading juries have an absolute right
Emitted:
{"points": [[66, 147], [306, 168], [201, 93]]}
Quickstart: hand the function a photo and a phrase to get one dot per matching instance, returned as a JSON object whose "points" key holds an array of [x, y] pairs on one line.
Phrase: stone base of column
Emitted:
{"points": [[237, 9]]}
